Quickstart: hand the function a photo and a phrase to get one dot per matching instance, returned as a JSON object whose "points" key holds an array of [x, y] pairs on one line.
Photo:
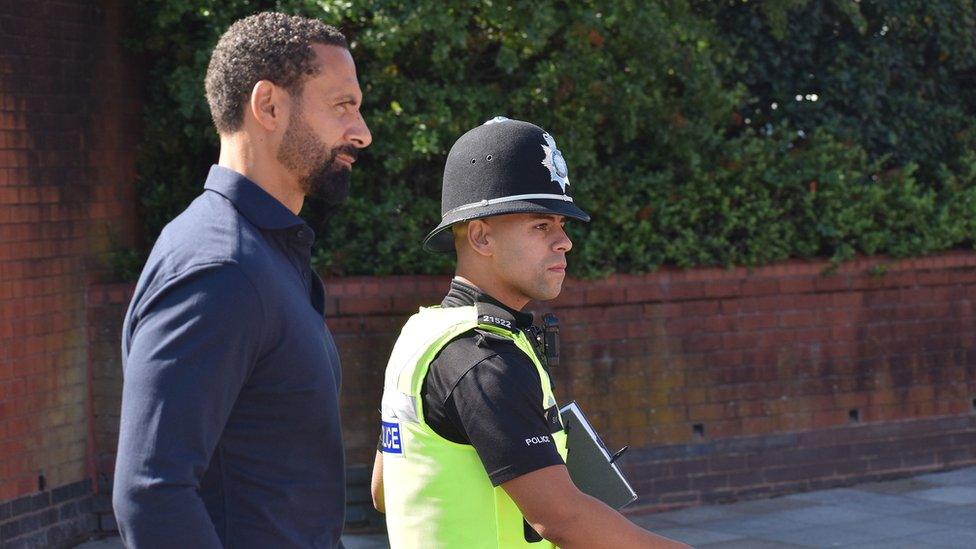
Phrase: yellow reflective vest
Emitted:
{"points": [[436, 492]]}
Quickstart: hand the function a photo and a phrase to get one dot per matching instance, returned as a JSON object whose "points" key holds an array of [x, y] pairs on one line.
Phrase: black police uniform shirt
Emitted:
{"points": [[230, 418], [482, 390]]}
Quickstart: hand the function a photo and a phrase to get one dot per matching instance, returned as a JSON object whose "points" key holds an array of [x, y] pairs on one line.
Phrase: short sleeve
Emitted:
{"points": [[499, 406]]}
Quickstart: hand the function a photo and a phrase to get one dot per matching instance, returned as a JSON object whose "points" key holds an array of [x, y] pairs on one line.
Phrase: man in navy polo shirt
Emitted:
{"points": [[230, 421]]}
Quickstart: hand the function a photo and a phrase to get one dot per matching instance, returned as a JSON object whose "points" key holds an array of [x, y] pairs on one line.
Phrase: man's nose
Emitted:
{"points": [[563, 244], [359, 133]]}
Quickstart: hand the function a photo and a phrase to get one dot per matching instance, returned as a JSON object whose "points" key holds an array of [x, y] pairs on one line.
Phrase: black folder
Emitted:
{"points": [[589, 462]]}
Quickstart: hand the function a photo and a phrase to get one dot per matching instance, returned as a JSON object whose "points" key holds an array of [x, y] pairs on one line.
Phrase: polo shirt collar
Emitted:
{"points": [[490, 310], [254, 203]]}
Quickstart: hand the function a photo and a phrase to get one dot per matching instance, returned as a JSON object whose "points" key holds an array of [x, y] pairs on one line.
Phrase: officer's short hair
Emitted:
{"points": [[265, 46]]}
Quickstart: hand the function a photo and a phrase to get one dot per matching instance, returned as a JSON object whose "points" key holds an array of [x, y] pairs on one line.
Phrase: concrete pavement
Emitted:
{"points": [[936, 510], [928, 511]]}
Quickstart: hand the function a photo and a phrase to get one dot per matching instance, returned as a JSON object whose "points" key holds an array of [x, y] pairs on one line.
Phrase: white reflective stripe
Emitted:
{"points": [[489, 202], [398, 406]]}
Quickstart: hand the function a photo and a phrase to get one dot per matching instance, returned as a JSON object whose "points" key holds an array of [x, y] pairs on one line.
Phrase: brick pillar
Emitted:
{"points": [[69, 115]]}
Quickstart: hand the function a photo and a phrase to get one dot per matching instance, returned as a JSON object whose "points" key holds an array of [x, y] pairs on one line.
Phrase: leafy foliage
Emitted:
{"points": [[697, 132]]}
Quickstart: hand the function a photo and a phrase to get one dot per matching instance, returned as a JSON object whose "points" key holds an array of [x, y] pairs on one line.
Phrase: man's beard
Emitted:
{"points": [[320, 175]]}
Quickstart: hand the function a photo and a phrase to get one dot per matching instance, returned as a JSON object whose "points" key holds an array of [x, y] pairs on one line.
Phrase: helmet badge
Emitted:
{"points": [[554, 161]]}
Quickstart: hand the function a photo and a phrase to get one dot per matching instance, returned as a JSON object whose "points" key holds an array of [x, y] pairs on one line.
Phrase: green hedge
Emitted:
{"points": [[697, 132]]}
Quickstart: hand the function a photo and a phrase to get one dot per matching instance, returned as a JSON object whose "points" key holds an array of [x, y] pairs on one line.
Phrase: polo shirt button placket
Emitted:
{"points": [[301, 237]]}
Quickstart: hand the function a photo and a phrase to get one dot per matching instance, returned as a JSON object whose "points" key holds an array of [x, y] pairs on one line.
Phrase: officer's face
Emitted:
{"points": [[325, 128], [530, 253]]}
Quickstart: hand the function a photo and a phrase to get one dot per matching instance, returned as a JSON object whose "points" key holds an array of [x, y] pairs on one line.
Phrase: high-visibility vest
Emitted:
{"points": [[436, 492]]}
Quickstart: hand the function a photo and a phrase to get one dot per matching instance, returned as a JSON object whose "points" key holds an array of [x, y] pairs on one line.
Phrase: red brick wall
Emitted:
{"points": [[797, 380], [741, 352], [778, 349], [769, 362], [106, 307], [68, 119]]}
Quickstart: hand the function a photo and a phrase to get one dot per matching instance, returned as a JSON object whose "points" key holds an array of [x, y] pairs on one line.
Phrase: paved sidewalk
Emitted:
{"points": [[928, 511], [936, 510], [372, 541]]}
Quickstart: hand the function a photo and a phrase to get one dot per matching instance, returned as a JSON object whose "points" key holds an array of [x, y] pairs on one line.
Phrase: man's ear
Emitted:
{"points": [[266, 104], [477, 237]]}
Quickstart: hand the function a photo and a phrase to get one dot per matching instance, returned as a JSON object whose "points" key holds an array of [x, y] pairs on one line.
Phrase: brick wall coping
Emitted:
{"points": [[400, 294]]}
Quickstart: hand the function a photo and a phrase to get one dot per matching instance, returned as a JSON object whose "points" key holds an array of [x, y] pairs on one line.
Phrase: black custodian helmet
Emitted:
{"points": [[502, 167]]}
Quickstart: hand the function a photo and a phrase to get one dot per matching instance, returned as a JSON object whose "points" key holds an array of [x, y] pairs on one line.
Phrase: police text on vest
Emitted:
{"points": [[390, 440], [537, 440]]}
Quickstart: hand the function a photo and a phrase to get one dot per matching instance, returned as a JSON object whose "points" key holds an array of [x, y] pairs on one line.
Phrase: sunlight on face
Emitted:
{"points": [[529, 253], [325, 128]]}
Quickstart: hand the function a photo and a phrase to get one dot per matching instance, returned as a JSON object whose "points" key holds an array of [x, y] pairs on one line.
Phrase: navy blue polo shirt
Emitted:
{"points": [[230, 416]]}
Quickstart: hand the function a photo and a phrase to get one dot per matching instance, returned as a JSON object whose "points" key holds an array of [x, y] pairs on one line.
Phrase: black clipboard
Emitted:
{"points": [[589, 462]]}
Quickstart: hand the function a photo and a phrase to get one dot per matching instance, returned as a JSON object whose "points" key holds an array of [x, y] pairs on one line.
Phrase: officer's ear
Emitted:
{"points": [[476, 236]]}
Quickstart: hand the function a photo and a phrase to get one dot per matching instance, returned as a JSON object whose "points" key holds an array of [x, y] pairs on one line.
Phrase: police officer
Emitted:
{"points": [[472, 448]]}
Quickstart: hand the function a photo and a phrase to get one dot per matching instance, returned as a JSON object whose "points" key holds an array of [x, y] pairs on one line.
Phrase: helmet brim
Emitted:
{"points": [[441, 239]]}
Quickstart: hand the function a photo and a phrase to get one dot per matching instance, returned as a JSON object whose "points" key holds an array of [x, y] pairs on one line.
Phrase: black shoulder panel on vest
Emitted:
{"points": [[496, 316], [467, 350]]}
